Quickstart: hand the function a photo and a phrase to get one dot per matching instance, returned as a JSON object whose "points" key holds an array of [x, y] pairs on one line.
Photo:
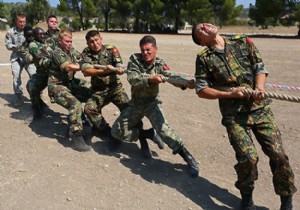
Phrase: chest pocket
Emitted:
{"points": [[220, 70]]}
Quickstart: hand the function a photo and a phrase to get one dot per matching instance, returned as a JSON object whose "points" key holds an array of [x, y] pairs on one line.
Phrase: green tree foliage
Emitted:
{"points": [[2, 10], [297, 16], [104, 9], [37, 10], [198, 11], [267, 12], [82, 9], [225, 11]]}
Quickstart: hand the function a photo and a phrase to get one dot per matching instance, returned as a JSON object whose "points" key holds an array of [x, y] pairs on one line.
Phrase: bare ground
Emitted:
{"points": [[39, 169]]}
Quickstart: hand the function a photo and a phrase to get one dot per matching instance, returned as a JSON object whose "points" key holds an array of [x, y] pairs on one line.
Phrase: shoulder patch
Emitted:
{"points": [[203, 51], [109, 47], [238, 36], [249, 40], [165, 67]]}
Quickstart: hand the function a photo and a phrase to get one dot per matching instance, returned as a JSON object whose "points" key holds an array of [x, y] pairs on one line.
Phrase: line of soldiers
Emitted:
{"points": [[57, 62], [232, 62]]}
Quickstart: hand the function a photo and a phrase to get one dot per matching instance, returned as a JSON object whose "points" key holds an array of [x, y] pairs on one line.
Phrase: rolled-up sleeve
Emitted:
{"points": [[201, 75]]}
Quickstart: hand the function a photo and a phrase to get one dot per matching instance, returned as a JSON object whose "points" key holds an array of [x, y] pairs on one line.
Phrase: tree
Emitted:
{"points": [[104, 9], [225, 11], [83, 8], [267, 12], [198, 11], [174, 10], [37, 10]]}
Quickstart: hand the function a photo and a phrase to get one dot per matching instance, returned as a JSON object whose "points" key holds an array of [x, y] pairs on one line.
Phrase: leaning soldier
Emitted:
{"points": [[106, 86], [66, 90], [145, 71], [40, 51], [224, 69]]}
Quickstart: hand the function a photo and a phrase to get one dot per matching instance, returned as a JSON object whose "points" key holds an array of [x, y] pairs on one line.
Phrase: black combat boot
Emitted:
{"points": [[188, 158], [113, 143], [247, 202], [79, 143], [286, 202], [37, 111], [102, 131], [152, 135], [146, 153]]}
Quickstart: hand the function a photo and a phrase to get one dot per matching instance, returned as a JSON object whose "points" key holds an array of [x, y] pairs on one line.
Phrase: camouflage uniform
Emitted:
{"points": [[41, 57], [52, 39], [145, 102], [14, 40], [237, 65], [106, 88], [65, 89]]}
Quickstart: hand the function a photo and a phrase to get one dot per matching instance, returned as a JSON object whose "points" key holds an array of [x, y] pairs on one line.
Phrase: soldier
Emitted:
{"points": [[28, 34], [40, 51], [65, 89], [145, 72], [52, 24], [53, 31], [236, 63], [14, 41], [106, 85]]}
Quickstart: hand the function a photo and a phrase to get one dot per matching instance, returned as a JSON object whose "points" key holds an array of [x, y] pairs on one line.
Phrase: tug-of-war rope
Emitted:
{"points": [[182, 81], [249, 92]]}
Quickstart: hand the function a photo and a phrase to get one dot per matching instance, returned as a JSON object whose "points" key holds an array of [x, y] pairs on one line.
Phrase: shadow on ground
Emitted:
{"points": [[52, 124], [201, 191]]}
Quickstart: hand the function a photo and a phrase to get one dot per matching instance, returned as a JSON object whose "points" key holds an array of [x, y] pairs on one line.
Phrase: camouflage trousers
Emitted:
{"points": [[125, 127], [93, 107], [70, 96], [262, 124], [35, 86]]}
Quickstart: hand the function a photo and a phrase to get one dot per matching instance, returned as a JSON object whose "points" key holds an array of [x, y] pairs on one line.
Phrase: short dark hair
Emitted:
{"points": [[27, 30], [195, 38], [36, 30], [148, 39], [51, 16], [91, 33]]}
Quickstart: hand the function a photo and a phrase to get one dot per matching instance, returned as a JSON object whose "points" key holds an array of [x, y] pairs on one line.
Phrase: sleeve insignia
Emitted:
{"points": [[166, 67]]}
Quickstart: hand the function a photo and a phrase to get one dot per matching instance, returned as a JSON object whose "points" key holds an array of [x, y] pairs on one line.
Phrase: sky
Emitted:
{"points": [[54, 3]]}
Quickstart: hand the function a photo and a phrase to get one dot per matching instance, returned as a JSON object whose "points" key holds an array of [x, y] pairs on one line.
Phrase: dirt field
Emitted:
{"points": [[39, 170]]}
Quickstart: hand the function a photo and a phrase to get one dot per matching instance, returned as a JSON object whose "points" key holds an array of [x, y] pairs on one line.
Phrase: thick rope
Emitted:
{"points": [[249, 92], [282, 97], [176, 81], [283, 87], [5, 64]]}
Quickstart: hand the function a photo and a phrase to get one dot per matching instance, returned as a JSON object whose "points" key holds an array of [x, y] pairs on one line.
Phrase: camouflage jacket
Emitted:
{"points": [[52, 39], [108, 55], [236, 65], [138, 73], [41, 55], [25, 51], [59, 60], [14, 40]]}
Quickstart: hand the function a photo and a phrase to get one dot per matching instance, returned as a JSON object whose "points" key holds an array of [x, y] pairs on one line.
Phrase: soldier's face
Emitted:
{"points": [[206, 31], [95, 43], [21, 22], [66, 43], [29, 36], [148, 53], [52, 23], [40, 36]]}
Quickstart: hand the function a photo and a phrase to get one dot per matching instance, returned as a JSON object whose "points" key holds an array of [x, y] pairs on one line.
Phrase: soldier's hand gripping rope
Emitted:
{"points": [[175, 81], [261, 95]]}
